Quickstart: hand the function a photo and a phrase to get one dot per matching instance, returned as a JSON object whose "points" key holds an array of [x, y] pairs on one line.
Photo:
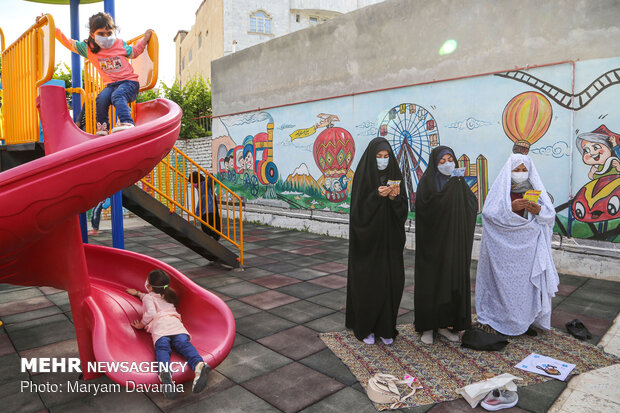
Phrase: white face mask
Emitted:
{"points": [[446, 168], [105, 42], [382, 163], [519, 177]]}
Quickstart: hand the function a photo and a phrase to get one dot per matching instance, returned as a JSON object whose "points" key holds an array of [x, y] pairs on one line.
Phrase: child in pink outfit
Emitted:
{"points": [[161, 319], [109, 55]]}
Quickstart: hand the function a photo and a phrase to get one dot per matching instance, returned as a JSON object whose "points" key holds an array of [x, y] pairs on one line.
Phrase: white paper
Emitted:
{"points": [[546, 366]]}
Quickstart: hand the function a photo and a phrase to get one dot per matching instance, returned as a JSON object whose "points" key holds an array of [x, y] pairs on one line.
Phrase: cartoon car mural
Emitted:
{"points": [[598, 200]]}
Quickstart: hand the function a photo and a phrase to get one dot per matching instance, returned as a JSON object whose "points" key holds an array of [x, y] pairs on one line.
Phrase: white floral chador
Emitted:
{"points": [[516, 275]]}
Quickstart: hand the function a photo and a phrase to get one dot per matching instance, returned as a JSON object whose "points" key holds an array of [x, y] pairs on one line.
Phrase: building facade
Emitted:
{"points": [[223, 27]]}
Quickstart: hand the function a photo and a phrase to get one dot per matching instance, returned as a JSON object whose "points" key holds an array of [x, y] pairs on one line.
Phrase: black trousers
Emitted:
{"points": [[214, 220]]}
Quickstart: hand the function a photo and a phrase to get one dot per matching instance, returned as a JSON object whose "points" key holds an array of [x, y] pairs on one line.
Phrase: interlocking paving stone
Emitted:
{"points": [[133, 402], [572, 280], [565, 289], [251, 273], [240, 339], [240, 289], [308, 251], [309, 242], [234, 399], [15, 307], [6, 347], [10, 370], [539, 397], [330, 281], [301, 311], [280, 267], [274, 281], [305, 274], [335, 299], [250, 360], [13, 400], [304, 290], [213, 281], [30, 315], [65, 348], [332, 322], [59, 298], [264, 251], [36, 323], [29, 338], [287, 387], [330, 267], [268, 299], [345, 400], [259, 261], [295, 343], [262, 324], [596, 326], [578, 305], [19, 295], [240, 309]]}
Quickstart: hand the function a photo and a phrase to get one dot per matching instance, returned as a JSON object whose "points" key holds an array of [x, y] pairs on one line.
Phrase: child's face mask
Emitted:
{"points": [[105, 42]]}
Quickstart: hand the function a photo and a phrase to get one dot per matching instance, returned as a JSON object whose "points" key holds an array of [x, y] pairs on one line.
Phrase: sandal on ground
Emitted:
{"points": [[578, 330]]}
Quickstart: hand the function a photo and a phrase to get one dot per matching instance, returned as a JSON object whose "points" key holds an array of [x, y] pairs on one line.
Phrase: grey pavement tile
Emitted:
{"points": [[557, 300], [29, 338], [305, 274], [50, 290], [13, 400], [215, 281], [331, 267], [42, 322], [332, 322], [250, 360], [59, 298], [133, 402], [565, 290], [170, 260], [234, 399], [22, 306], [274, 281], [295, 343], [31, 315], [301, 311], [280, 267], [407, 318], [249, 273], [304, 290], [240, 309], [610, 287], [65, 348], [259, 262], [268, 299], [262, 324], [240, 339], [10, 369], [52, 399], [240, 289], [602, 294], [577, 305], [329, 364], [6, 347], [597, 326], [538, 398], [406, 300], [345, 400], [18, 295], [335, 299], [216, 383], [572, 280], [287, 387], [330, 281], [11, 287]]}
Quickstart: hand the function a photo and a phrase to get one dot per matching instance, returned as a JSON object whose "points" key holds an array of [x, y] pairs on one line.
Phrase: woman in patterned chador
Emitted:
{"points": [[516, 275]]}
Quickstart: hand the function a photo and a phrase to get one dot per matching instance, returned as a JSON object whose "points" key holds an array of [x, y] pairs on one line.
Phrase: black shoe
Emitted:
{"points": [[200, 377], [578, 330], [168, 387], [531, 332]]}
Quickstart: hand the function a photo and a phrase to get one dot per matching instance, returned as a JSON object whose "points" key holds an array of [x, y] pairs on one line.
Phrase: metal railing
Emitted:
{"points": [[172, 183], [26, 64]]}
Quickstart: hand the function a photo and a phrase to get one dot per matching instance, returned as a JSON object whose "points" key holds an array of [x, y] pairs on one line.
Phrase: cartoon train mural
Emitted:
{"points": [[252, 160]]}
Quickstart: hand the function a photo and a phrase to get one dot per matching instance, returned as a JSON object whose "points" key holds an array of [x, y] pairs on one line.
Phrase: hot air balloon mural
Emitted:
{"points": [[526, 119], [334, 150]]}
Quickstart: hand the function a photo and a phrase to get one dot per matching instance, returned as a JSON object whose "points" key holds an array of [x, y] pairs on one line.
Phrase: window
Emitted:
{"points": [[183, 64], [297, 18], [190, 55], [199, 40], [313, 20], [260, 22]]}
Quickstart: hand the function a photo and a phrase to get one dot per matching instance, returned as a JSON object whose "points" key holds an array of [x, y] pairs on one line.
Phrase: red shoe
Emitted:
{"points": [[93, 232]]}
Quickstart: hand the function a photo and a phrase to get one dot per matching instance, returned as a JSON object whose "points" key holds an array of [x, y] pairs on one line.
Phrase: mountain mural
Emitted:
{"points": [[300, 180]]}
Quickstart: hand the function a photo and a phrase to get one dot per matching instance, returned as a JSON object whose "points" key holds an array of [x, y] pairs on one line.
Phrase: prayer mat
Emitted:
{"points": [[444, 366]]}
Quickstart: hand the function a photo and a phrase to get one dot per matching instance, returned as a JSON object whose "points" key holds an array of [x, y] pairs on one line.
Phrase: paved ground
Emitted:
{"points": [[293, 287]]}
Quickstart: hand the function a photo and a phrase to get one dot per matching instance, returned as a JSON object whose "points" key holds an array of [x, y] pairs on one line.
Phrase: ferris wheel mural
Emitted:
{"points": [[412, 133]]}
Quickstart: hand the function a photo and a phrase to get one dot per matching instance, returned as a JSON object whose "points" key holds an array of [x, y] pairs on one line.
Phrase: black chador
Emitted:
{"points": [[445, 219], [376, 275]]}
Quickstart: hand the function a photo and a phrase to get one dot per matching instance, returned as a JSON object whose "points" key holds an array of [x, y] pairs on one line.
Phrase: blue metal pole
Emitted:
{"points": [[118, 236], [76, 81]]}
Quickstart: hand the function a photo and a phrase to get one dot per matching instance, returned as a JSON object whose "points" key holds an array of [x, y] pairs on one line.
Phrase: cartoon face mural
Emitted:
{"points": [[598, 200], [334, 150], [600, 148]]}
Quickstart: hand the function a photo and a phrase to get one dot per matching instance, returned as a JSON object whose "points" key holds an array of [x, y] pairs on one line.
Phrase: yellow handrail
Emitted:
{"points": [[1, 40], [145, 66], [171, 183], [26, 64]]}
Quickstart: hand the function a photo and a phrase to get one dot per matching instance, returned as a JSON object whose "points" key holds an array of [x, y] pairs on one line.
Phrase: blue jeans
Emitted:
{"points": [[181, 344], [120, 94], [97, 215]]}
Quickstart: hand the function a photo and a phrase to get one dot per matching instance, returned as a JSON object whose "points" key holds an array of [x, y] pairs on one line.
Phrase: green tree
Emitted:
{"points": [[63, 72], [194, 98], [147, 95]]}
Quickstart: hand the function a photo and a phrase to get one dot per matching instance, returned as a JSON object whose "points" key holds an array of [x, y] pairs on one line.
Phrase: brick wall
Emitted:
{"points": [[199, 150]]}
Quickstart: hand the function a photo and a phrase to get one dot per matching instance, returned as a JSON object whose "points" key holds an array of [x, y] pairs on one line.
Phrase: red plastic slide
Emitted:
{"points": [[40, 240]]}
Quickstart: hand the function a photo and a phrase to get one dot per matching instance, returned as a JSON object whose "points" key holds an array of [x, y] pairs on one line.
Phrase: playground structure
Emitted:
{"points": [[41, 199]]}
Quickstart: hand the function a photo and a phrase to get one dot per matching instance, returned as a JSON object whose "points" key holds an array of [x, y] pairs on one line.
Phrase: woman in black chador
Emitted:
{"points": [[445, 219], [376, 240]]}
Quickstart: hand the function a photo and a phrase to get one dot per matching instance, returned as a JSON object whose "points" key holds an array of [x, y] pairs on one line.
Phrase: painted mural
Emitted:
{"points": [[304, 156]]}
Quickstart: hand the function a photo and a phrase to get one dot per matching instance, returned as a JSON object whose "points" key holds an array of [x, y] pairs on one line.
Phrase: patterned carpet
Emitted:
{"points": [[444, 366]]}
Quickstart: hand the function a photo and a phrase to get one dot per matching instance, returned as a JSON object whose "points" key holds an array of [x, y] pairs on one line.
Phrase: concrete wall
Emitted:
{"points": [[397, 42]]}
